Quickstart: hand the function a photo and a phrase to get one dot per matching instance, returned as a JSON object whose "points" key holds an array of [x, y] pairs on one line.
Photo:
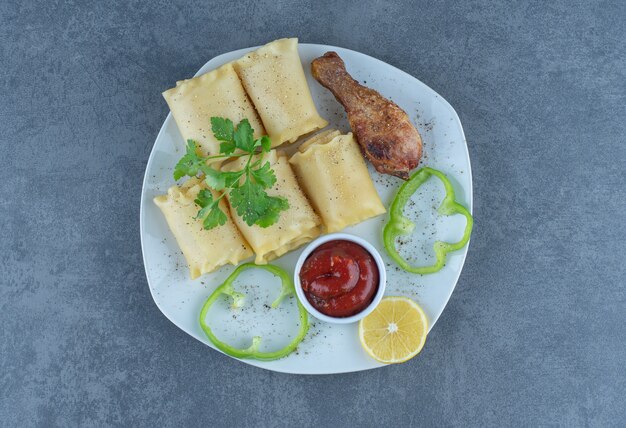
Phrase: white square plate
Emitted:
{"points": [[327, 348]]}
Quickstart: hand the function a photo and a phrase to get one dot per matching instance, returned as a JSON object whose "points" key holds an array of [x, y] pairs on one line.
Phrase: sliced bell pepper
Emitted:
{"points": [[252, 351], [399, 225]]}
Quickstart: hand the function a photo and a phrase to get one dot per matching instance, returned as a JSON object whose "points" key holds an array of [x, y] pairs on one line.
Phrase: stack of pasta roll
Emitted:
{"points": [[326, 183], [267, 87]]}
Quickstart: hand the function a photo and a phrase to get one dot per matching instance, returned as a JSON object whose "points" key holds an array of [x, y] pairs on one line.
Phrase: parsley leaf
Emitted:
{"points": [[190, 163], [227, 147], [264, 142], [244, 139], [264, 176], [272, 214], [250, 201], [223, 129], [255, 206], [211, 214], [216, 217], [220, 180]]}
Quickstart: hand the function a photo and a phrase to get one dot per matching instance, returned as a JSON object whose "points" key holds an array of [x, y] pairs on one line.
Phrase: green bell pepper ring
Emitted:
{"points": [[399, 225], [252, 351]]}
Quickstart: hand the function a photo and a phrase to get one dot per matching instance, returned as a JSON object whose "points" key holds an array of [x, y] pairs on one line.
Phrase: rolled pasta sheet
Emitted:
{"points": [[296, 226], [275, 81], [217, 93], [204, 250], [321, 137], [332, 172]]}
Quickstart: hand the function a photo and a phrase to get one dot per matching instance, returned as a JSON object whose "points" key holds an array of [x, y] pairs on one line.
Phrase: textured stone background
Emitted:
{"points": [[535, 333]]}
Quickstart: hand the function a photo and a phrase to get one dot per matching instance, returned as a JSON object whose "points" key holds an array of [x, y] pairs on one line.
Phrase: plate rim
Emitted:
{"points": [[470, 196]]}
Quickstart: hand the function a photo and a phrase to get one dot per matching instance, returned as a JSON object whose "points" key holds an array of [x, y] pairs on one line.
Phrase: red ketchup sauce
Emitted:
{"points": [[339, 278]]}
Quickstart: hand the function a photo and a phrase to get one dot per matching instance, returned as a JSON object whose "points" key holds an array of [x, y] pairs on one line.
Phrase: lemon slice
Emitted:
{"points": [[395, 332]]}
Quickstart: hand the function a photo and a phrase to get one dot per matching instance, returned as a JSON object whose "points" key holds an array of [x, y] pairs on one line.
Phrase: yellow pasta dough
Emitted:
{"points": [[333, 174], [204, 250], [217, 93], [275, 81], [321, 137], [296, 226]]}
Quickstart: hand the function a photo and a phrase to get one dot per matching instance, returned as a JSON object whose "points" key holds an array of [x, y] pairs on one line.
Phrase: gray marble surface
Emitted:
{"points": [[535, 332]]}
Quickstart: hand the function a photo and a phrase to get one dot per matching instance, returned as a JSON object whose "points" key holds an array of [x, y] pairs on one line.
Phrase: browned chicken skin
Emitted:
{"points": [[383, 129]]}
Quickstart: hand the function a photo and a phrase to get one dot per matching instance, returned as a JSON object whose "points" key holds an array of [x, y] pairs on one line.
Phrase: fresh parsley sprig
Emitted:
{"points": [[245, 187]]}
